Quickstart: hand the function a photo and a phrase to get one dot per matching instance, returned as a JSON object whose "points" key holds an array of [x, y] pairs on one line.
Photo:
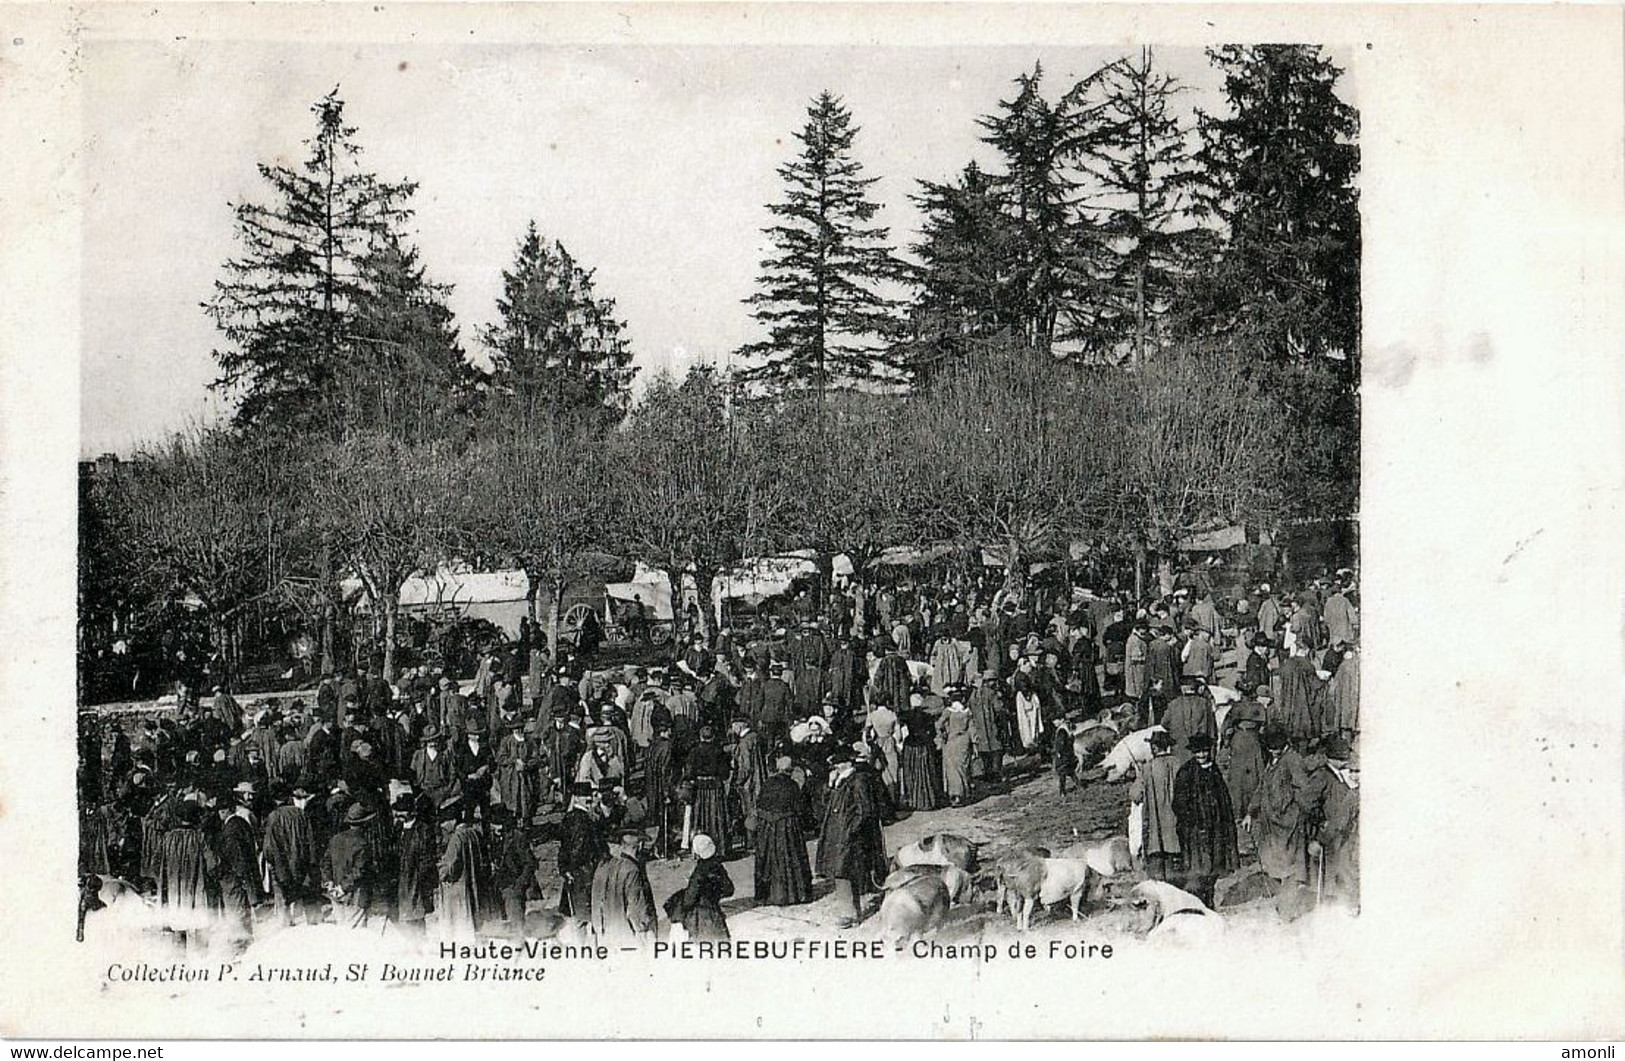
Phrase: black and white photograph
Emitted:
{"points": [[923, 507], [552, 508]]}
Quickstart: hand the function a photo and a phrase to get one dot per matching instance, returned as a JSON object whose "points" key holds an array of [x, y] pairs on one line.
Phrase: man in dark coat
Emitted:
{"points": [[352, 867], [845, 679], [321, 752], [1332, 794], [1190, 713], [850, 848], [1255, 675], [581, 849], [1205, 820], [417, 861], [290, 850], [748, 703], [476, 764], [658, 780], [1162, 665], [1299, 705], [623, 904], [563, 745], [772, 721], [239, 847], [811, 658], [186, 870], [433, 768], [514, 871]]}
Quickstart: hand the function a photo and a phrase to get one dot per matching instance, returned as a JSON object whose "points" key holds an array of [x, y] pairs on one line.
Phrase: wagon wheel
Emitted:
{"points": [[660, 633], [570, 622]]}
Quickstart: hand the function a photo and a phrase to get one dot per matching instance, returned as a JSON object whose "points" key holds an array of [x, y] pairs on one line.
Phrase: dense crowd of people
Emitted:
{"points": [[423, 800]]}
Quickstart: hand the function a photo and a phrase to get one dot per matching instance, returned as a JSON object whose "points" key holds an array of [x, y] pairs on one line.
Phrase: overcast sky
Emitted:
{"points": [[652, 165]]}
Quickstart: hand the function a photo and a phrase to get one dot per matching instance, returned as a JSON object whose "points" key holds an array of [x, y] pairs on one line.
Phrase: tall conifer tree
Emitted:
{"points": [[557, 342], [821, 293], [287, 301]]}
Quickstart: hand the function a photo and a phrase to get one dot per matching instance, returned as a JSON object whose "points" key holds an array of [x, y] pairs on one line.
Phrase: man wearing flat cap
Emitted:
{"points": [[1204, 819]]}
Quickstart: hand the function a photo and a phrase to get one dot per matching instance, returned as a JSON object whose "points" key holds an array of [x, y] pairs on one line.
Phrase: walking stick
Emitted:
{"points": [[688, 824]]}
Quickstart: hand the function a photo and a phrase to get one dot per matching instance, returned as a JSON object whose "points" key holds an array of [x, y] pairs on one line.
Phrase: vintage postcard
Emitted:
{"points": [[808, 521]]}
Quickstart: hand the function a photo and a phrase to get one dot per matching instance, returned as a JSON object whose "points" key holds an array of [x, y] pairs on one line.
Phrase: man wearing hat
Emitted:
{"points": [[562, 747], [239, 850], [1242, 758], [747, 773], [1152, 792], [623, 909], [1189, 714], [322, 750], [435, 772], [581, 849], [475, 763], [352, 868], [1162, 669], [850, 848], [513, 871], [417, 858], [772, 718], [1334, 819], [290, 852], [466, 891], [186, 881], [1276, 814], [1204, 819]]}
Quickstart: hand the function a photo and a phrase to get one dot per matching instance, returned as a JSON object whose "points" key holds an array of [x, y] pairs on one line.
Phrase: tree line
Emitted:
{"points": [[1140, 322]]}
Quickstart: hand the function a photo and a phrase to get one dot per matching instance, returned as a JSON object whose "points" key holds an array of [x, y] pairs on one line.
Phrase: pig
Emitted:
{"points": [[1128, 753], [938, 849], [1181, 916], [1109, 858], [957, 880], [1091, 742], [1032, 881], [913, 908]]}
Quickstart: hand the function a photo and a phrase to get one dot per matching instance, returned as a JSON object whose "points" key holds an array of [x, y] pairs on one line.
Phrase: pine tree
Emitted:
{"points": [[1279, 172], [1279, 179], [820, 294], [1142, 174], [407, 375], [556, 341], [287, 300], [1039, 141], [968, 264]]}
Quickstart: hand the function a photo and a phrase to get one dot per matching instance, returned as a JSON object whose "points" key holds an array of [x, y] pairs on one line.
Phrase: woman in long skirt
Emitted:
{"points": [[920, 787], [708, 769], [955, 729], [783, 876], [699, 910]]}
